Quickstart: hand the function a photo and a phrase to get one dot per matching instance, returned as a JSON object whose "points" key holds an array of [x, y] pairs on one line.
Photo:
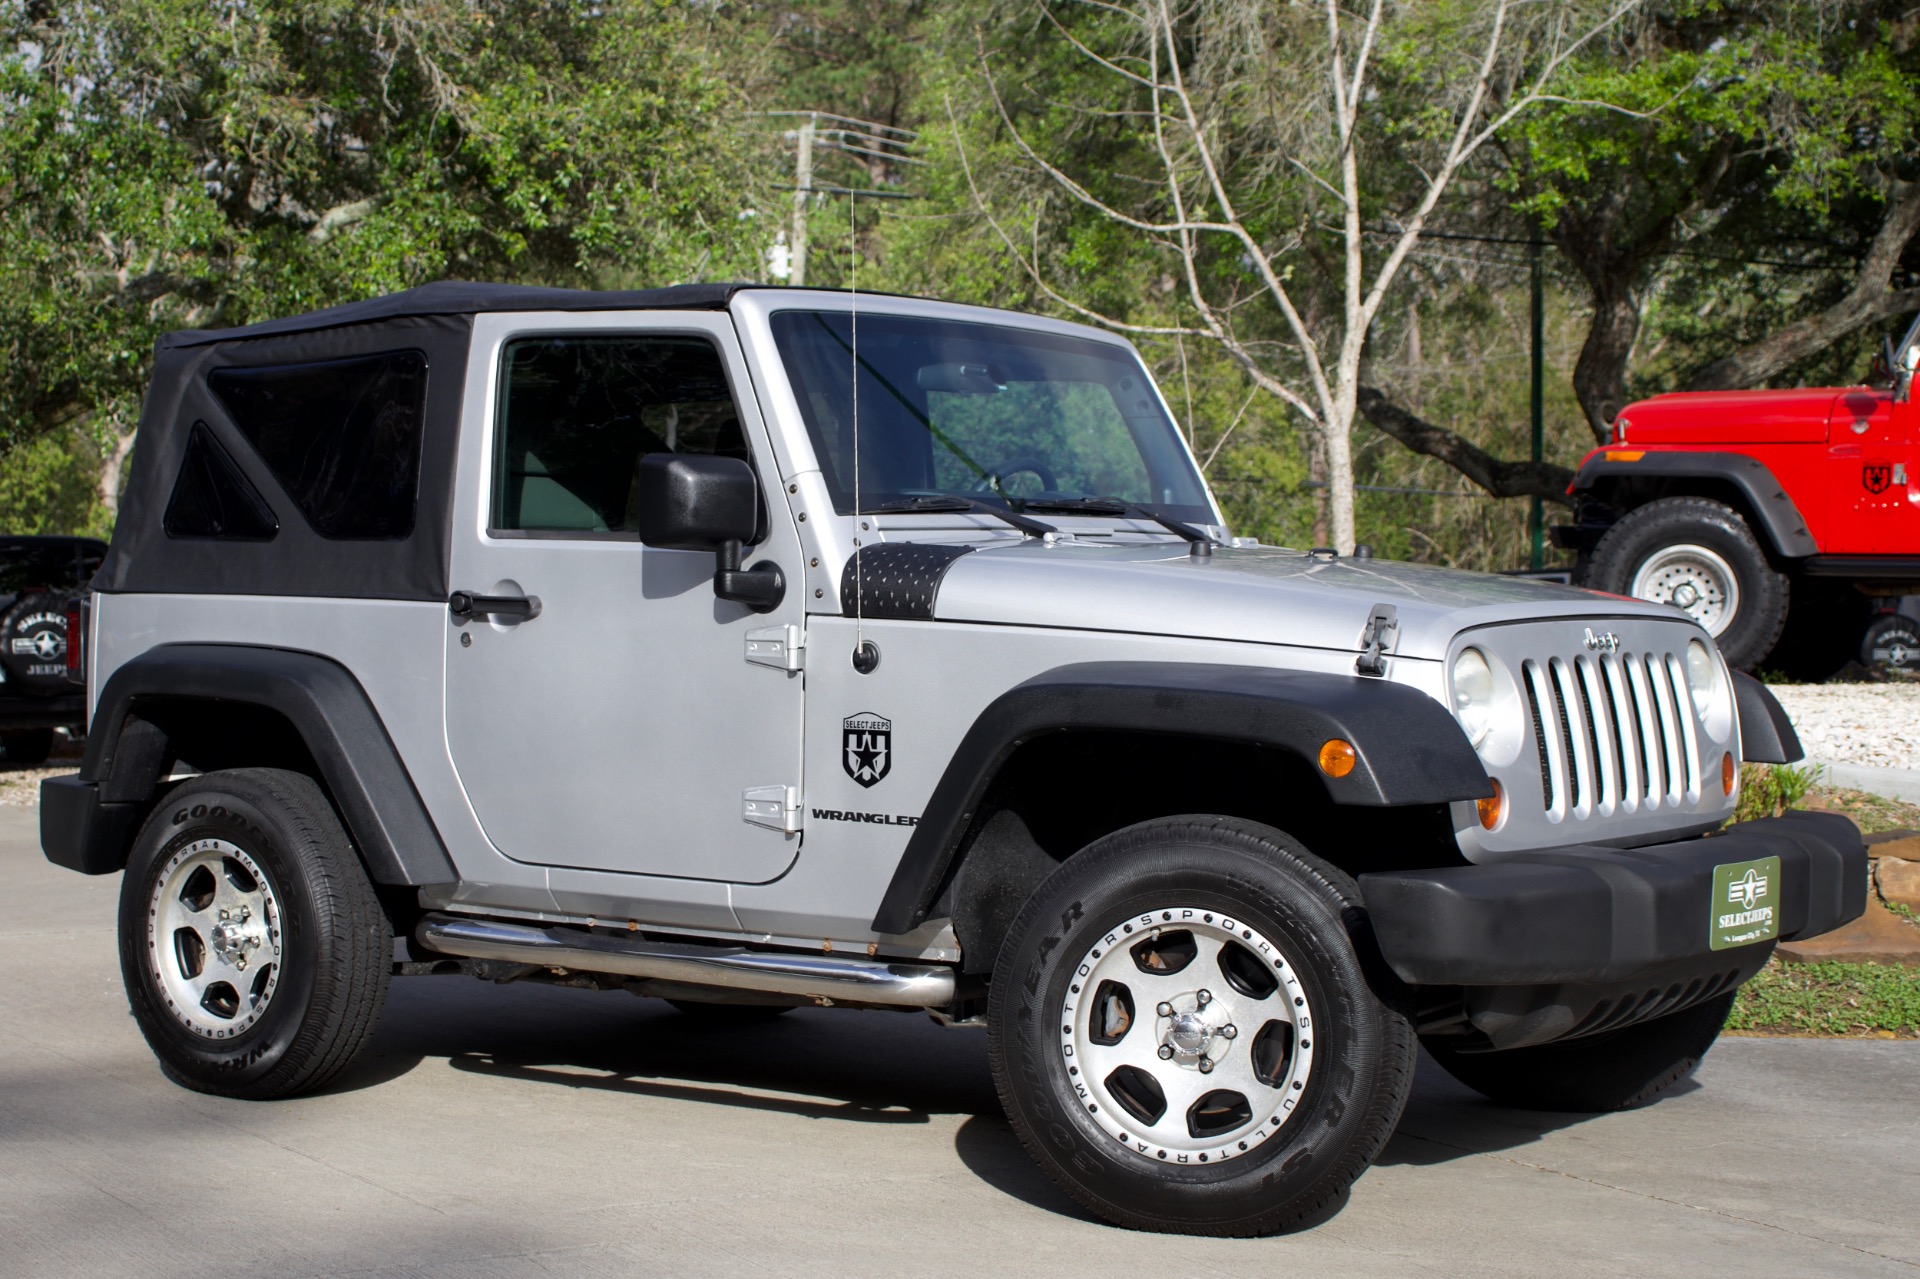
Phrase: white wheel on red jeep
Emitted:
{"points": [[1694, 579]]}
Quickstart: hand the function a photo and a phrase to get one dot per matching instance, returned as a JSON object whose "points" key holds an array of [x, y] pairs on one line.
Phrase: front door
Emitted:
{"points": [[620, 726], [1873, 502]]}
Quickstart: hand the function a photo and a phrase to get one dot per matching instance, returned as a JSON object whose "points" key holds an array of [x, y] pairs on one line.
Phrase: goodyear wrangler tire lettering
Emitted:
{"points": [[254, 952], [1170, 1026]]}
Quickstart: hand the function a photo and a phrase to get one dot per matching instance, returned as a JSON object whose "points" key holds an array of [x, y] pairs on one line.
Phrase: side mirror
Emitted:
{"points": [[689, 502]]}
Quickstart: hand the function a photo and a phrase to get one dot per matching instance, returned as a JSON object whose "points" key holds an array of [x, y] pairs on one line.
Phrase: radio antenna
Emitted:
{"points": [[860, 655]]}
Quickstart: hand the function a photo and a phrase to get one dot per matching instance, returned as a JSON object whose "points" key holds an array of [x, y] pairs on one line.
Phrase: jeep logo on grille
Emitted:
{"points": [[1604, 642]]}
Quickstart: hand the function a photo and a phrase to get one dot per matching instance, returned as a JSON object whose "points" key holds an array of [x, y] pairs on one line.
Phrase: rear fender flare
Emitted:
{"points": [[357, 761]]}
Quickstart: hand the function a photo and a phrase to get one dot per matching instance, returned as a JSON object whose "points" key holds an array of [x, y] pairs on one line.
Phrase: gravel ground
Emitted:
{"points": [[1875, 725]]}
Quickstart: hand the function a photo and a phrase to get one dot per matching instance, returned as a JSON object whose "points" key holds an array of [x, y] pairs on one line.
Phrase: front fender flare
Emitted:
{"points": [[1781, 525], [1408, 748]]}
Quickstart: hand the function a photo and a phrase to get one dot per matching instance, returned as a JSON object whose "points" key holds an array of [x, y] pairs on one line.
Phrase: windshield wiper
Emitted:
{"points": [[1115, 506], [933, 503]]}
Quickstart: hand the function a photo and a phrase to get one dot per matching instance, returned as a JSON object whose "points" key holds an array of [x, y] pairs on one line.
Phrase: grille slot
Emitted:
{"points": [[1614, 732]]}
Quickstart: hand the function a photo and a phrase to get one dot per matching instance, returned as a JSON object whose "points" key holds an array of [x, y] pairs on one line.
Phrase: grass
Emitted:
{"points": [[1873, 1001]]}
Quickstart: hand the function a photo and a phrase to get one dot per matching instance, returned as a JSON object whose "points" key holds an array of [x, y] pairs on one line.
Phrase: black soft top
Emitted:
{"points": [[460, 297]]}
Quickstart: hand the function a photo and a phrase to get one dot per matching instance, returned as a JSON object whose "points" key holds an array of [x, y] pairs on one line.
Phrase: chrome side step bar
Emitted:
{"points": [[842, 979]]}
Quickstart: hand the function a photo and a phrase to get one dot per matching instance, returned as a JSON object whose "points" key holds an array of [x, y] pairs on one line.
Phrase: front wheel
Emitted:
{"points": [[1616, 1071], [255, 954], [1183, 1033], [1699, 556]]}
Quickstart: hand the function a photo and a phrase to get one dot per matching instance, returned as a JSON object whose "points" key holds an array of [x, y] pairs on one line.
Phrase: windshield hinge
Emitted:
{"points": [[775, 807], [1383, 629], [780, 647]]}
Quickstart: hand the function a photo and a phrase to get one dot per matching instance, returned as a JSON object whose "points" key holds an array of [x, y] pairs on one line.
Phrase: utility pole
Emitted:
{"points": [[1537, 520], [802, 190]]}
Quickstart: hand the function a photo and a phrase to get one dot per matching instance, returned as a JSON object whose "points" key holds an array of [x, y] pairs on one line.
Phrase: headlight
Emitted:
{"points": [[1700, 673], [1473, 694]]}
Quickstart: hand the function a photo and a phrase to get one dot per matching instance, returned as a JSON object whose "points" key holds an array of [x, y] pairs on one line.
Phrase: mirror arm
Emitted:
{"points": [[760, 588]]}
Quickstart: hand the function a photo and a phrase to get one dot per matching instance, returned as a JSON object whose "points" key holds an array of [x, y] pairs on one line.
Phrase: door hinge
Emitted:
{"points": [[780, 647], [1383, 630], [775, 807]]}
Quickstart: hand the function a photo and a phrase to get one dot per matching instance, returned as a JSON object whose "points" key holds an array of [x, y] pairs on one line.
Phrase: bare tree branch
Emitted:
{"points": [[1500, 479]]}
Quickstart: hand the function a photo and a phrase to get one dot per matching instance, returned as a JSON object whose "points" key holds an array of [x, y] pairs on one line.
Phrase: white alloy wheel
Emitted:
{"points": [[1694, 579], [213, 938], [1187, 1035]]}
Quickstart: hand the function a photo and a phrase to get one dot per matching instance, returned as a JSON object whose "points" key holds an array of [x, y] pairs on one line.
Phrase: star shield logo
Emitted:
{"points": [[1875, 476], [866, 747]]}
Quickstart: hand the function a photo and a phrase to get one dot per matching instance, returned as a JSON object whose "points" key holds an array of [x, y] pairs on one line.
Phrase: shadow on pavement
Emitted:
{"points": [[860, 1067]]}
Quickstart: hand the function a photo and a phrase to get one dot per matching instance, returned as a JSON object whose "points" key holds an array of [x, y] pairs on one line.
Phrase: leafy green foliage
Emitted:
{"points": [[1768, 790], [176, 163]]}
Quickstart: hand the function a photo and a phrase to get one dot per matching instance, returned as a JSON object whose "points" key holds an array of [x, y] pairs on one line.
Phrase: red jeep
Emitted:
{"points": [[1770, 517]]}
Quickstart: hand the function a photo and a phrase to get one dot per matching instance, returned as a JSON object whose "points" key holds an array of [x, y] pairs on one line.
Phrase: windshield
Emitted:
{"points": [[982, 411]]}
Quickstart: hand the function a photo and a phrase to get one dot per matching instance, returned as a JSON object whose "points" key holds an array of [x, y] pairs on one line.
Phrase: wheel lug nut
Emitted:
{"points": [[1206, 1065], [1165, 1009], [1166, 1052], [1205, 997], [1229, 1030]]}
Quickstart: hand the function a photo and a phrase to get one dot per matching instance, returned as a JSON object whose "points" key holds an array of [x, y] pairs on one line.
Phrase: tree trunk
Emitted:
{"points": [[1500, 479], [113, 463]]}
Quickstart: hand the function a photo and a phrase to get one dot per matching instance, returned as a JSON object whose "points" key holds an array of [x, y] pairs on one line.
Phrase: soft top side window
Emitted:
{"points": [[577, 413], [212, 498], [341, 436]]}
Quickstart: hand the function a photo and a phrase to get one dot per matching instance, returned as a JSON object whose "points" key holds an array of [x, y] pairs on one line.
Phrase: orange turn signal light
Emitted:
{"points": [[1491, 806], [1729, 773], [1337, 758], [1625, 455]]}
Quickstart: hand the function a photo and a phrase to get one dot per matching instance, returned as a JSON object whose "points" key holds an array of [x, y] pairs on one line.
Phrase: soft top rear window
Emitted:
{"points": [[341, 436]]}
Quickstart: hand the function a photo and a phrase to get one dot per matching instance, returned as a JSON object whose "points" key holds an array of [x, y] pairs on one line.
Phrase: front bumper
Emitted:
{"points": [[1577, 940]]}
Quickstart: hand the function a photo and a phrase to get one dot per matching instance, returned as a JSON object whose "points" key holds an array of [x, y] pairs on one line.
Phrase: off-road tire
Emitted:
{"points": [[336, 945], [1617, 1071], [1260, 881], [24, 746], [1671, 522]]}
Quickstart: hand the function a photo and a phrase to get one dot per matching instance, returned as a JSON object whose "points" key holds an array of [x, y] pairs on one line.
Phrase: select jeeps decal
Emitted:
{"points": [[866, 747], [1746, 903], [43, 637]]}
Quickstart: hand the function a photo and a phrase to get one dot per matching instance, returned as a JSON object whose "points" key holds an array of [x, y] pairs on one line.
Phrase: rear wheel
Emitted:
{"points": [[1699, 556], [1616, 1071], [255, 955], [1184, 1036]]}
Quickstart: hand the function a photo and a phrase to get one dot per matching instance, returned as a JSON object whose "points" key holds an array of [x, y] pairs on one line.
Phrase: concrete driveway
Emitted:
{"points": [[508, 1131]]}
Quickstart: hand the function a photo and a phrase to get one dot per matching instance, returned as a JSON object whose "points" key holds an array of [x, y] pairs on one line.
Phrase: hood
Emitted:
{"points": [[1262, 595], [1755, 417]]}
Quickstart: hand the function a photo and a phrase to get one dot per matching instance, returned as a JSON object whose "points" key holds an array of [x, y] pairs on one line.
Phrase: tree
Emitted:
{"points": [[1772, 134], [178, 163], [1287, 160]]}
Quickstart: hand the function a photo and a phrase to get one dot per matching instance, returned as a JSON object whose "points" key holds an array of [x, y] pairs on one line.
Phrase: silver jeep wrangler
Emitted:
{"points": [[754, 648]]}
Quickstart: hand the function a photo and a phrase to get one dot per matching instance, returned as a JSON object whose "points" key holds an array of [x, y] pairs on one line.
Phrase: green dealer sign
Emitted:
{"points": [[1746, 903]]}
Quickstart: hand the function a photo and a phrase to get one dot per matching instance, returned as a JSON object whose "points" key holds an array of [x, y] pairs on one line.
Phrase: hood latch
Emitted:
{"points": [[1383, 630]]}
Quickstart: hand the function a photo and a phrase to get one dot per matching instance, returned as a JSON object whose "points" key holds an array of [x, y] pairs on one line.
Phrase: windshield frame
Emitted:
{"points": [[756, 310]]}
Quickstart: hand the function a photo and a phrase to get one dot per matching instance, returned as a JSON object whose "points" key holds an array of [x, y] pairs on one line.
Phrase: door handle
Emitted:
{"points": [[465, 604]]}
